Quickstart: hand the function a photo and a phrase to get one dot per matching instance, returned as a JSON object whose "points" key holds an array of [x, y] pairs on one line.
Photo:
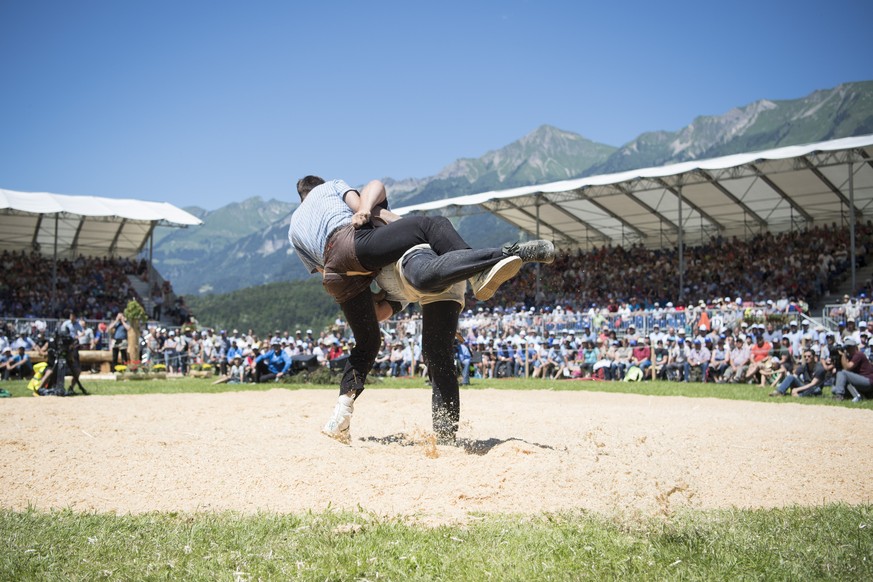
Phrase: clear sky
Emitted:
{"points": [[209, 102]]}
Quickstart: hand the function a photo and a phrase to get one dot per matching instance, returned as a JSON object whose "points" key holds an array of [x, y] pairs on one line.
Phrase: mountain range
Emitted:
{"points": [[246, 244]]}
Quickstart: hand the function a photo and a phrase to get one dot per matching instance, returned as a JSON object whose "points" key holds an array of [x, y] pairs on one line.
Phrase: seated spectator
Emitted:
{"points": [[396, 359], [621, 360], [489, 361], [505, 361], [719, 361], [382, 365], [660, 359], [698, 360], [237, 371], [21, 366], [41, 345], [808, 378], [553, 363], [641, 355], [739, 361], [272, 365], [760, 362], [5, 362], [678, 368], [783, 362]]}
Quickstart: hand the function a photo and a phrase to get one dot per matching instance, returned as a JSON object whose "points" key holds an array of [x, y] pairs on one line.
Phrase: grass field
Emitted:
{"points": [[795, 543]]}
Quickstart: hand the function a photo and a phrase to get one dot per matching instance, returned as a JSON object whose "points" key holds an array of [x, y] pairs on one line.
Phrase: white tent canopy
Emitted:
{"points": [[738, 195], [82, 225]]}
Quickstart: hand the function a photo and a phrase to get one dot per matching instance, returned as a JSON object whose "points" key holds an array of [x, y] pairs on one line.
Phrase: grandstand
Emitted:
{"points": [[744, 195], [41, 231]]}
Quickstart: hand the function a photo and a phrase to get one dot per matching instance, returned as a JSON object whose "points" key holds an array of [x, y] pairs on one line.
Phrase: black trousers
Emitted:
{"points": [[263, 373], [377, 247], [439, 323]]}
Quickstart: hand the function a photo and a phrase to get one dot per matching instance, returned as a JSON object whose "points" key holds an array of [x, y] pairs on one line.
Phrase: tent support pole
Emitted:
{"points": [[55, 271], [148, 300], [681, 247], [537, 288], [852, 218]]}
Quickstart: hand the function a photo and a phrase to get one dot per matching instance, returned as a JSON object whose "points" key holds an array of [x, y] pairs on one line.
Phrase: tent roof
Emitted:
{"points": [[85, 225], [737, 195]]}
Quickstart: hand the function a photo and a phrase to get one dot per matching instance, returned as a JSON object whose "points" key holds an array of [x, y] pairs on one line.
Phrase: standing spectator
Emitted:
{"points": [[221, 347], [86, 338], [183, 344], [101, 340], [71, 328], [118, 331], [170, 355], [195, 349]]}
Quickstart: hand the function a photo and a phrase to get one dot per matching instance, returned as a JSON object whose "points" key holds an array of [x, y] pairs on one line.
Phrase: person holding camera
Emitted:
{"points": [[856, 375], [118, 331]]}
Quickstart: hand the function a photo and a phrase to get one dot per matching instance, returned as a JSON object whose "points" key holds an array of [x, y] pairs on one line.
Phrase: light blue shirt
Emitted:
{"points": [[323, 211]]}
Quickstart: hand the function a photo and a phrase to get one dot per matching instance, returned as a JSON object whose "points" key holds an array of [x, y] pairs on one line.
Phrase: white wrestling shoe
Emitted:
{"points": [[341, 419], [486, 283]]}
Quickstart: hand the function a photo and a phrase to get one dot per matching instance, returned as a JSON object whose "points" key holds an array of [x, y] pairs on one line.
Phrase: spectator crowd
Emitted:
{"points": [[95, 288], [801, 265], [604, 313]]}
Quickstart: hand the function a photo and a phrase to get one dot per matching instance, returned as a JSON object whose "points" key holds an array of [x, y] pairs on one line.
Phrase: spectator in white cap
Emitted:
{"points": [[794, 335], [851, 331], [852, 308], [656, 335]]}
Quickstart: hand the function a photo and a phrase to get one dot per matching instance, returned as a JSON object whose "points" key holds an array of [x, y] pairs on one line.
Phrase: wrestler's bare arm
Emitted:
{"points": [[355, 202]]}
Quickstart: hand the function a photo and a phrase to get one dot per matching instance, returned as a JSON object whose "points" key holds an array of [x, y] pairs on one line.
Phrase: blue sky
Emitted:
{"points": [[203, 103]]}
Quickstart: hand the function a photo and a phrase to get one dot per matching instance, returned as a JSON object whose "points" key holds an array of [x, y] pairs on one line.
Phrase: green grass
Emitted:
{"points": [[690, 390], [833, 542]]}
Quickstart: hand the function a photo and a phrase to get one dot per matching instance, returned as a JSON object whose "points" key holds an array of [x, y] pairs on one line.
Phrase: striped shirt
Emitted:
{"points": [[323, 211]]}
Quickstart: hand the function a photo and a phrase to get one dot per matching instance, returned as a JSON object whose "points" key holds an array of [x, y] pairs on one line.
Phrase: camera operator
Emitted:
{"points": [[856, 375], [72, 328]]}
